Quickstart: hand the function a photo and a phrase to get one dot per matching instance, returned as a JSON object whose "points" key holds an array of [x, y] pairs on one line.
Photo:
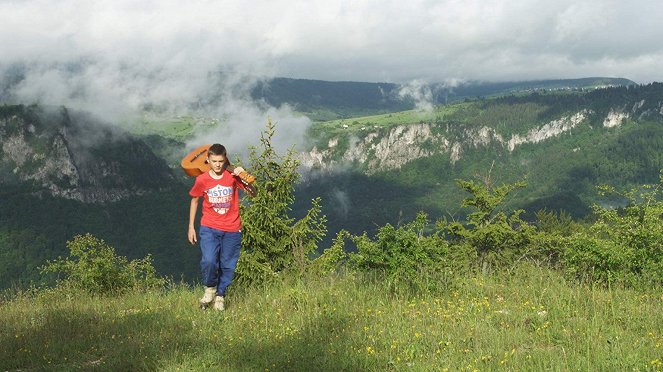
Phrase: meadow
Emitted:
{"points": [[531, 318]]}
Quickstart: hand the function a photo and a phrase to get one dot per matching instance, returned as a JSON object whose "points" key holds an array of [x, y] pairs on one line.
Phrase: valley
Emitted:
{"points": [[370, 166]]}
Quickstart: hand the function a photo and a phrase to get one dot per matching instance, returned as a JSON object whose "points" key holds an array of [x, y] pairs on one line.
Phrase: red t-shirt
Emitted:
{"points": [[220, 202]]}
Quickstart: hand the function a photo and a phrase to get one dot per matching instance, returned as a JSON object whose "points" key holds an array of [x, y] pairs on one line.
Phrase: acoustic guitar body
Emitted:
{"points": [[195, 163]]}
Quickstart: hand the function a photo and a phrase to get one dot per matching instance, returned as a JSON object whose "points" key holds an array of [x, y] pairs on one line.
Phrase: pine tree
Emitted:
{"points": [[274, 241]]}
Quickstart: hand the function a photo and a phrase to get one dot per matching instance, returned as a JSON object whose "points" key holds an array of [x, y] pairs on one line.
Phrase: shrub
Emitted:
{"points": [[331, 258], [559, 224], [93, 266], [592, 259], [497, 239], [624, 245], [406, 255]]}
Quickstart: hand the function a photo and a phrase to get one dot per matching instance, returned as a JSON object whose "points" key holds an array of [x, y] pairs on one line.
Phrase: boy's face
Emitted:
{"points": [[216, 162]]}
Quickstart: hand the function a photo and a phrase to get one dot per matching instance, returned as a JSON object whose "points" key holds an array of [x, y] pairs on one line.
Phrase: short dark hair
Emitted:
{"points": [[217, 149]]}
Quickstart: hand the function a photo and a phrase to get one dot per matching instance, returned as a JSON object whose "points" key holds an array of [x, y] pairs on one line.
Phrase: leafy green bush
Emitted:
{"points": [[553, 223], [93, 266], [593, 259], [624, 245], [331, 258], [497, 239], [406, 255]]}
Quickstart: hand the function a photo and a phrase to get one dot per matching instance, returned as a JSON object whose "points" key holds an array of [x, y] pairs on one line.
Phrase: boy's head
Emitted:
{"points": [[217, 149], [217, 157]]}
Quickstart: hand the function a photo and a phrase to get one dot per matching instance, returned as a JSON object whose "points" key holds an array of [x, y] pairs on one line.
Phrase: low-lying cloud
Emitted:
{"points": [[420, 92], [116, 58]]}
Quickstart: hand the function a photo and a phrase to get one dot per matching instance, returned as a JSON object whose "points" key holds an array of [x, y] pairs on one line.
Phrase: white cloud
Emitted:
{"points": [[112, 57], [420, 93]]}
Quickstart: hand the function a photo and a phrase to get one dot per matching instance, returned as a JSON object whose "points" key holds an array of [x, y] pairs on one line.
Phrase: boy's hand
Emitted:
{"points": [[238, 170], [193, 238]]}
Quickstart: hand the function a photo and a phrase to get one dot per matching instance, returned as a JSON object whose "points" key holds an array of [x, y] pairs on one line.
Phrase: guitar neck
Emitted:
{"points": [[244, 176]]}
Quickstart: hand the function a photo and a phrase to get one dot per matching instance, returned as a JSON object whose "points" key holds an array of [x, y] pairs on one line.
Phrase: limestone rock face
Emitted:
{"points": [[394, 148], [549, 130], [378, 149], [75, 156], [378, 152]]}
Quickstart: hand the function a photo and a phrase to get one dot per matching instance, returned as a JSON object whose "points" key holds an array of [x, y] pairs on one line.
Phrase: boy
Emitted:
{"points": [[220, 225]]}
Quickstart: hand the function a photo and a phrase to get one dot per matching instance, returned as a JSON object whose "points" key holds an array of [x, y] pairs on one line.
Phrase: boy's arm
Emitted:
{"points": [[193, 208]]}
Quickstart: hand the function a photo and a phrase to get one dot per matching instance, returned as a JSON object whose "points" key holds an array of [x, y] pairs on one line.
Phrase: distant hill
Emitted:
{"points": [[327, 100], [385, 168], [475, 89]]}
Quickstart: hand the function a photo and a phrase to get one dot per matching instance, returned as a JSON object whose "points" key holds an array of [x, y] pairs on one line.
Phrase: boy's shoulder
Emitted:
{"points": [[203, 176]]}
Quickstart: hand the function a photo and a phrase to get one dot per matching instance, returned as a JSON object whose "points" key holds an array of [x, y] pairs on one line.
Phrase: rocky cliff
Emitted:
{"points": [[374, 149], [72, 155]]}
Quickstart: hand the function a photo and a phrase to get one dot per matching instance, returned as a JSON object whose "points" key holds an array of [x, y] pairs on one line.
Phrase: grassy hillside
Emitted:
{"points": [[531, 319]]}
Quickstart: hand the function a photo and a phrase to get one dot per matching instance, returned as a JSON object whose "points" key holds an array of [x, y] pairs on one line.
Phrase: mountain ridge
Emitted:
{"points": [[328, 100], [375, 143]]}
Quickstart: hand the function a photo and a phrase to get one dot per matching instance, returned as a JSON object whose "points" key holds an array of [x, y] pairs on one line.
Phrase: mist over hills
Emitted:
{"points": [[73, 155], [326, 100]]}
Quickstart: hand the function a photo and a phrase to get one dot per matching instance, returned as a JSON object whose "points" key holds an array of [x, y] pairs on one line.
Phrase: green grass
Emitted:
{"points": [[356, 124], [531, 319], [179, 128]]}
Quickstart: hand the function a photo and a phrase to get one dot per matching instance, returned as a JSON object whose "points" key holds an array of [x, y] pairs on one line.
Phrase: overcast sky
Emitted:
{"points": [[386, 41], [124, 52]]}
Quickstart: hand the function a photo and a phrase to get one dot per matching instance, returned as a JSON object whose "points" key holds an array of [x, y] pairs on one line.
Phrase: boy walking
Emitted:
{"points": [[220, 225]]}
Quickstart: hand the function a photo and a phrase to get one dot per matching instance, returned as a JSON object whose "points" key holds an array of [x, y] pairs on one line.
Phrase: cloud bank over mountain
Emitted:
{"points": [[115, 57]]}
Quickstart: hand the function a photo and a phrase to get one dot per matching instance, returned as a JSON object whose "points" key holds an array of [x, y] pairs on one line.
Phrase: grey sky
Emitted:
{"points": [[392, 41], [112, 56]]}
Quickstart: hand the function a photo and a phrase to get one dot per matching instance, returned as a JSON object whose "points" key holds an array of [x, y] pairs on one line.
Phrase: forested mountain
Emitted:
{"points": [[75, 156], [64, 173], [326, 100]]}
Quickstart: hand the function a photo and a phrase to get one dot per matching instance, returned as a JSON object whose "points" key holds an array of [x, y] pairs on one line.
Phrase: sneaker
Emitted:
{"points": [[208, 297], [219, 303]]}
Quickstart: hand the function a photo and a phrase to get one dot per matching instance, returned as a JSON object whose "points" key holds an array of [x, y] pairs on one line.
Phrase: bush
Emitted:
{"points": [[591, 259], [406, 255], [624, 245], [498, 240], [94, 267], [331, 258]]}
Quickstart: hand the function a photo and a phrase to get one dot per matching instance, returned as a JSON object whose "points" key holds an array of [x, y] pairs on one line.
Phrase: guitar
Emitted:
{"points": [[195, 163]]}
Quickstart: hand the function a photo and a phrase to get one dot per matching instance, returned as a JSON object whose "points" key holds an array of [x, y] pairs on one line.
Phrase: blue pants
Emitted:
{"points": [[220, 252]]}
